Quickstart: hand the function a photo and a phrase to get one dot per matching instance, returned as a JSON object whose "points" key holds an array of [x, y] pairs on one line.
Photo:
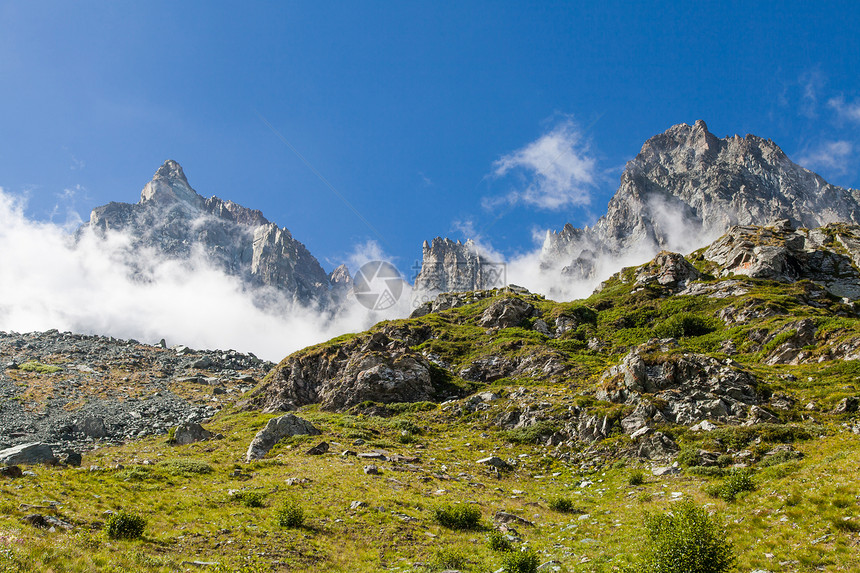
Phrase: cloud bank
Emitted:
{"points": [[48, 279]]}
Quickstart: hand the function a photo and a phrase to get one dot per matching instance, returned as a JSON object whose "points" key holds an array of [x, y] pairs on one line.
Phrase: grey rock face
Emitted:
{"points": [[379, 368], [32, 453], [276, 430], [176, 222]]}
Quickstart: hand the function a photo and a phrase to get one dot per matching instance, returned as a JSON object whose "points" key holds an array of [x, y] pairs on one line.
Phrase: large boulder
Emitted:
{"points": [[91, 426], [506, 313], [190, 432], [276, 430], [32, 453]]}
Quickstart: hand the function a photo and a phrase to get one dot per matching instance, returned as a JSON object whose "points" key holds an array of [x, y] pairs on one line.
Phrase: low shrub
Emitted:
{"points": [[497, 541], [531, 434], [637, 477], [525, 561], [707, 471], [39, 368], [290, 514], [686, 539], [737, 482], [124, 525], [562, 504], [458, 516], [250, 498], [780, 458]]}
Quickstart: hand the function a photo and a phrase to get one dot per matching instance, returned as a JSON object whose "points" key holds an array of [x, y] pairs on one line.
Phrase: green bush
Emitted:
{"points": [[531, 434], [686, 540], [290, 514], [681, 325], [724, 460], [123, 525], [497, 541], [637, 477], [737, 482], [250, 498], [520, 562], [562, 504], [458, 516]]}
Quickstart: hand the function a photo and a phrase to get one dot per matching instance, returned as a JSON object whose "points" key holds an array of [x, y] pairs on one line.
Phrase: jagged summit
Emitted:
{"points": [[450, 266], [169, 184], [172, 219]]}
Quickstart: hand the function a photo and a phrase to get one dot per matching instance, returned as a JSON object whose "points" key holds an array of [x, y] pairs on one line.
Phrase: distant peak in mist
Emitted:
{"points": [[683, 189]]}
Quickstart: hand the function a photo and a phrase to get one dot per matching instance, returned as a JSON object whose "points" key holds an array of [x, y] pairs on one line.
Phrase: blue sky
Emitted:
{"points": [[433, 118]]}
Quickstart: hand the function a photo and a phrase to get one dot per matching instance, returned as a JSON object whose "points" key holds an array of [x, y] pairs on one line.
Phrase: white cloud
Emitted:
{"points": [[849, 111], [558, 169], [49, 280], [833, 155]]}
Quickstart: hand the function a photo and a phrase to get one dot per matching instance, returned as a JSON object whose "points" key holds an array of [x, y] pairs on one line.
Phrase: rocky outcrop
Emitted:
{"points": [[665, 385], [276, 430], [780, 252], [174, 221], [449, 266], [379, 367]]}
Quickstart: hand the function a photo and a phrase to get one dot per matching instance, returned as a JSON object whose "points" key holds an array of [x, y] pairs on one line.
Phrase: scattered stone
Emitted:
{"points": [[372, 470], [847, 405], [357, 505], [277, 429], [318, 449], [505, 517], [666, 471], [71, 458]]}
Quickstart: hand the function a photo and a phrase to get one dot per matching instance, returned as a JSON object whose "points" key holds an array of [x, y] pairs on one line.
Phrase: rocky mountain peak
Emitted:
{"points": [[169, 185], [174, 220]]}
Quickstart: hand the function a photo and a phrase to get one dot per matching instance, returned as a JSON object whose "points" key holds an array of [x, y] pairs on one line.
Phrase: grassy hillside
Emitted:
{"points": [[584, 503]]}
